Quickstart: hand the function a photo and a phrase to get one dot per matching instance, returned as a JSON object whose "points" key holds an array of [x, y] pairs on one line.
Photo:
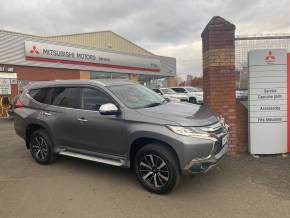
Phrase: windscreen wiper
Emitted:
{"points": [[153, 104]]}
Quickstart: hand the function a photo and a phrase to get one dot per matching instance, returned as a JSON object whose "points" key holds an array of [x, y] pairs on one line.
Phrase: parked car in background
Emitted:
{"points": [[242, 94], [194, 94], [121, 123], [171, 95]]}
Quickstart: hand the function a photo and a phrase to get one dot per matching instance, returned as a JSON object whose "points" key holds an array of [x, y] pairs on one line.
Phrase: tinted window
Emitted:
{"points": [[179, 90], [194, 89], [40, 95], [92, 99], [168, 91], [137, 96], [66, 97], [157, 91]]}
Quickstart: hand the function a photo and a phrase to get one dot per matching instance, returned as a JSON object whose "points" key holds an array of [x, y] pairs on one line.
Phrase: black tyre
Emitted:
{"points": [[156, 167], [193, 100], [41, 147]]}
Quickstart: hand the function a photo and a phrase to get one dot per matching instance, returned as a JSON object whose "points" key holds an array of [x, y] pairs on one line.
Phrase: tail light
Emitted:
{"points": [[18, 104]]}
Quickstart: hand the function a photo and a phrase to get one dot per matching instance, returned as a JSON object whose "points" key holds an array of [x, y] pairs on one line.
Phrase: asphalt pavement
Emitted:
{"points": [[239, 187]]}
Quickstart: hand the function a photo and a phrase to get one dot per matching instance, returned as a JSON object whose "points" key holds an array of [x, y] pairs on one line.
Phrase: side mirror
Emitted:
{"points": [[109, 109]]}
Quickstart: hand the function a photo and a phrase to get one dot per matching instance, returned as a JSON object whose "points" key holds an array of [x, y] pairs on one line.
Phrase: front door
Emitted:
{"points": [[100, 133]]}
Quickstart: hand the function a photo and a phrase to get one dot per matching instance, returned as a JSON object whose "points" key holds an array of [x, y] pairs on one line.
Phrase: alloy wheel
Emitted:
{"points": [[39, 147], [154, 170]]}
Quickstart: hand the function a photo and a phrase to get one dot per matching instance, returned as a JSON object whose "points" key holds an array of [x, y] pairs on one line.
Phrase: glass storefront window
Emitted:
{"points": [[119, 76], [108, 75], [153, 81], [150, 81], [100, 75]]}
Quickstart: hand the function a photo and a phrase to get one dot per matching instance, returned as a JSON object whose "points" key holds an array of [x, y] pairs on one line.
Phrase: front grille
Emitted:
{"points": [[218, 146], [216, 128], [219, 130]]}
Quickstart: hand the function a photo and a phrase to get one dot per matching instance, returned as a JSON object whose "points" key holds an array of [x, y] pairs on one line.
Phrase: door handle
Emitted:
{"points": [[82, 120], [47, 114]]}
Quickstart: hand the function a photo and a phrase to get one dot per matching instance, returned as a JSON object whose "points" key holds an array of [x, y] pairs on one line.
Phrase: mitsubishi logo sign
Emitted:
{"points": [[269, 101], [270, 58], [34, 50], [46, 52]]}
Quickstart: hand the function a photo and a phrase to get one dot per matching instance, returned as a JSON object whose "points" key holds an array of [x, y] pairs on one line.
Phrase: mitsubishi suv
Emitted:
{"points": [[121, 123]]}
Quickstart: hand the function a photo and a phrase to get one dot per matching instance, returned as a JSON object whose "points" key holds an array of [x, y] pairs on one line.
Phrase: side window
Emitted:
{"points": [[92, 99], [184, 90], [179, 90], [157, 91], [66, 97], [40, 95]]}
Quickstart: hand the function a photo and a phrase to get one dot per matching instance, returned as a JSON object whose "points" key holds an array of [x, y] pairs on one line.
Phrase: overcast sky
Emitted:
{"points": [[164, 27]]}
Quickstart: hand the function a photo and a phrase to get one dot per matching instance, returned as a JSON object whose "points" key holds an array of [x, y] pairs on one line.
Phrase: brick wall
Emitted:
{"points": [[43, 73], [85, 75], [218, 40]]}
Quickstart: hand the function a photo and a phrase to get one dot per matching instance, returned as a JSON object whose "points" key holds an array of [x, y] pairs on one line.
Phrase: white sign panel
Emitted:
{"points": [[45, 52], [268, 101], [5, 87]]}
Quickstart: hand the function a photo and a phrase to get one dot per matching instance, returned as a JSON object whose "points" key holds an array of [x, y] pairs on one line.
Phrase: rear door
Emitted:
{"points": [[65, 104], [35, 107]]}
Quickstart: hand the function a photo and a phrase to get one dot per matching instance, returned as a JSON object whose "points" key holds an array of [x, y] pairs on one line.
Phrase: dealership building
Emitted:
{"points": [[27, 58]]}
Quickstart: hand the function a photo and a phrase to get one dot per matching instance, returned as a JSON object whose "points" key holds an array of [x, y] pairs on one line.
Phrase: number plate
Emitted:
{"points": [[225, 140]]}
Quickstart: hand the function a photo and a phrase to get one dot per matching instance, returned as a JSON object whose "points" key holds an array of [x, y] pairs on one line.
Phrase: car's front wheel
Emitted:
{"points": [[192, 100], [41, 147], [156, 167]]}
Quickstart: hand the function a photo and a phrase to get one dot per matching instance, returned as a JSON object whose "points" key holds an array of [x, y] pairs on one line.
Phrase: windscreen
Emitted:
{"points": [[136, 96]]}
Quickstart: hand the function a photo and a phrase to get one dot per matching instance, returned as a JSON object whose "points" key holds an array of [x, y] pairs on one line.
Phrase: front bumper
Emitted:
{"points": [[201, 165], [199, 101], [174, 99]]}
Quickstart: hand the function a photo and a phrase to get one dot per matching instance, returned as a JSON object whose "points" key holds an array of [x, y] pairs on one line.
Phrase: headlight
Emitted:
{"points": [[174, 99], [191, 131]]}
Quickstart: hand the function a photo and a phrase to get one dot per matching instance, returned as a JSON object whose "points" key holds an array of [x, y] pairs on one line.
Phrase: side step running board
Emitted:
{"points": [[91, 158]]}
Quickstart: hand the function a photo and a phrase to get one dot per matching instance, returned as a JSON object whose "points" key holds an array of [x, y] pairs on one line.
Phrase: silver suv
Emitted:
{"points": [[121, 123]]}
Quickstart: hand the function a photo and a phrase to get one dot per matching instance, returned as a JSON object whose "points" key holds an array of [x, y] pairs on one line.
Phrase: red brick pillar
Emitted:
{"points": [[218, 48]]}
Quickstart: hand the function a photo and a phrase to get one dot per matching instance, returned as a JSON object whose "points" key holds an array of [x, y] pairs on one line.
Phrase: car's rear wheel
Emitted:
{"points": [[41, 147], [156, 167]]}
